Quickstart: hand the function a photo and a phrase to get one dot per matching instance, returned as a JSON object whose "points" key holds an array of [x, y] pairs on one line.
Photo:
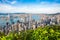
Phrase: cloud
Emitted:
{"points": [[4, 8], [9, 1], [13, 2]]}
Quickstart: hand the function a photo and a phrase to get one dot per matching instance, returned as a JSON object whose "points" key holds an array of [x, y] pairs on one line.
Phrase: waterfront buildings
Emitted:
{"points": [[18, 22]]}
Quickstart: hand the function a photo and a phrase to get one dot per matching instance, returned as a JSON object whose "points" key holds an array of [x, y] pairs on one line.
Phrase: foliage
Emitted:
{"points": [[47, 33]]}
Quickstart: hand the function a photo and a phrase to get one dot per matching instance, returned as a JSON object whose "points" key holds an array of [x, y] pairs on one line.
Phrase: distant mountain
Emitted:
{"points": [[28, 13], [3, 14], [53, 14], [57, 14], [10, 13]]}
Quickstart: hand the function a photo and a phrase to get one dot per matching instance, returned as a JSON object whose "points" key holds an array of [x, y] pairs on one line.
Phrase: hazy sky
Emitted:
{"points": [[29, 6]]}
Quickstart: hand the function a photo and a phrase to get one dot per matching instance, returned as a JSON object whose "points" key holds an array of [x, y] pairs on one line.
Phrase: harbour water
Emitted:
{"points": [[5, 18], [26, 18]]}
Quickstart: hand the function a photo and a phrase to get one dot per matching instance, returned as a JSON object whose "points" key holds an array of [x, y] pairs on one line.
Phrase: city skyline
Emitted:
{"points": [[30, 6]]}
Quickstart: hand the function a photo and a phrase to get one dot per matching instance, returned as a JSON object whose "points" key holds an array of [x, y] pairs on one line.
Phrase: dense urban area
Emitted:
{"points": [[29, 26]]}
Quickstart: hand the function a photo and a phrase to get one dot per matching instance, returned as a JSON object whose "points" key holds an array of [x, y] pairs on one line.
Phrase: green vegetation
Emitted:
{"points": [[47, 33]]}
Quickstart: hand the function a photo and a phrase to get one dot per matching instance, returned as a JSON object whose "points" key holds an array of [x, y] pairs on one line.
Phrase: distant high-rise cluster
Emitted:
{"points": [[18, 22]]}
